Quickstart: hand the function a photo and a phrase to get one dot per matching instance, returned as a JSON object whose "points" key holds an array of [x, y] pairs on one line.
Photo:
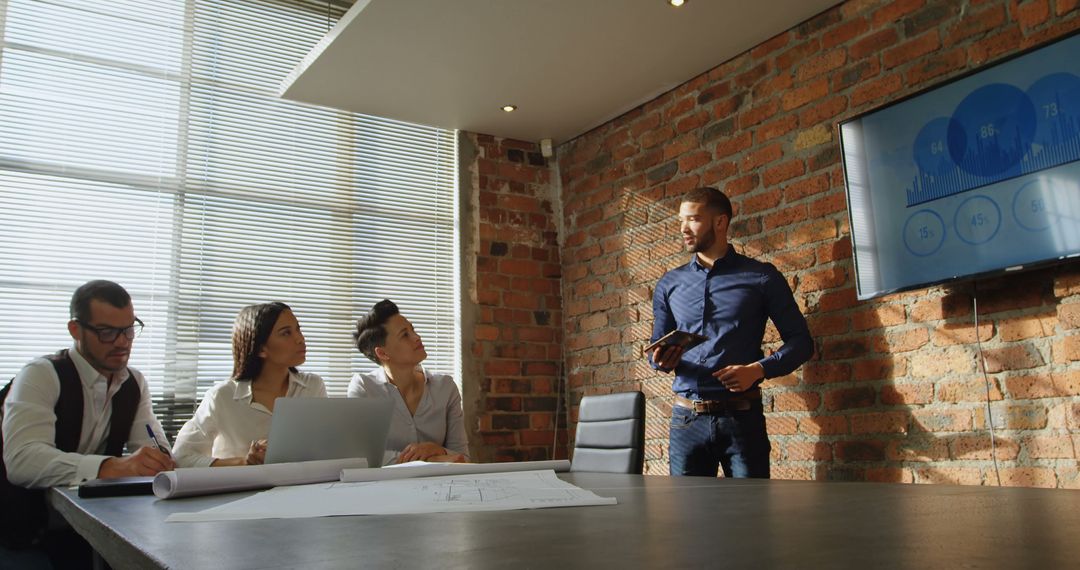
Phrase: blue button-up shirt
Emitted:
{"points": [[729, 304]]}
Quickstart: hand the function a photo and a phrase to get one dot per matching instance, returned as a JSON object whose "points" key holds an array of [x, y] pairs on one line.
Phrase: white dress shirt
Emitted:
{"points": [[228, 420], [30, 451], [438, 417]]}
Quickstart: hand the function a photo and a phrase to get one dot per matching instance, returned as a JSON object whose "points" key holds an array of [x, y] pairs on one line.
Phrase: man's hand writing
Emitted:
{"points": [[144, 462]]}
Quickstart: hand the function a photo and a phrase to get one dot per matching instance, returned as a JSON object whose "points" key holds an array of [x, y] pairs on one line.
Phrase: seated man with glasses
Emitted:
{"points": [[68, 416]]}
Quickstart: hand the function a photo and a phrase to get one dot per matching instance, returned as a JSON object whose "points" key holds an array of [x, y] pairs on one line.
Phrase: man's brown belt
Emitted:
{"points": [[735, 402]]}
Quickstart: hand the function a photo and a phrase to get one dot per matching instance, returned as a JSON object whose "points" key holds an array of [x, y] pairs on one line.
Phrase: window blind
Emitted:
{"points": [[143, 142]]}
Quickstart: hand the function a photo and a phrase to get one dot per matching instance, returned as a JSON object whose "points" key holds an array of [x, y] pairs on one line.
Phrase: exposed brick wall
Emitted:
{"points": [[516, 339], [893, 393]]}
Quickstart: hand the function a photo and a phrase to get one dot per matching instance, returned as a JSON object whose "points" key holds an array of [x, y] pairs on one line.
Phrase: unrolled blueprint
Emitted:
{"points": [[455, 493]]}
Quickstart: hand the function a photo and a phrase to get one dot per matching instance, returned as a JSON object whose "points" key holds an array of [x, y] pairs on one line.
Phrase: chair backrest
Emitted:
{"points": [[610, 434]]}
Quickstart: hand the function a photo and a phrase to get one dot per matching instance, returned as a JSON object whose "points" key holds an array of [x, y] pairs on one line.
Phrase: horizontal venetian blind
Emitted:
{"points": [[143, 142]]}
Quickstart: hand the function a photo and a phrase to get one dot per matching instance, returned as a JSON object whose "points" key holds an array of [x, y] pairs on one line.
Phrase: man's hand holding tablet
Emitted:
{"points": [[668, 349]]}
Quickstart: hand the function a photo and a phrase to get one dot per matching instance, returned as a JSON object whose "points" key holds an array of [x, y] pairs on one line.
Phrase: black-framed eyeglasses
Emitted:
{"points": [[110, 334]]}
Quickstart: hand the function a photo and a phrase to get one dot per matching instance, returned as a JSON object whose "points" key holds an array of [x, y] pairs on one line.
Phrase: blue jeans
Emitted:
{"points": [[736, 441]]}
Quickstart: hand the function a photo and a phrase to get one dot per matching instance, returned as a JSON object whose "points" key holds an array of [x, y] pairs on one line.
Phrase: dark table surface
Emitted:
{"points": [[660, 522]]}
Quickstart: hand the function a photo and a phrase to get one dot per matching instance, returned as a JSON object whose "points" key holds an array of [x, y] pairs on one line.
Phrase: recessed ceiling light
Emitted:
{"points": [[509, 108], [676, 3]]}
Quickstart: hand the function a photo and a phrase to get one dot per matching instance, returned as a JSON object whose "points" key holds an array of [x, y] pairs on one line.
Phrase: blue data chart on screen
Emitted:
{"points": [[997, 132], [976, 175]]}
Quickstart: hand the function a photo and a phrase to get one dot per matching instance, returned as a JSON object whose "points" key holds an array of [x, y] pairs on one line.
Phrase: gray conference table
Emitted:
{"points": [[660, 522]]}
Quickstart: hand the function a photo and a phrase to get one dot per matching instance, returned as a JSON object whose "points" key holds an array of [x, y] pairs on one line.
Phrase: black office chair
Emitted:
{"points": [[610, 434]]}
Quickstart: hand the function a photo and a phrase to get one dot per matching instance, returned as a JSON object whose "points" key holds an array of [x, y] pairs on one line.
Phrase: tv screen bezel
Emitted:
{"points": [[1035, 264]]}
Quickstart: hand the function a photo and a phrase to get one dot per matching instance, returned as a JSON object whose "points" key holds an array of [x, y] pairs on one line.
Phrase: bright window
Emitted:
{"points": [[144, 142]]}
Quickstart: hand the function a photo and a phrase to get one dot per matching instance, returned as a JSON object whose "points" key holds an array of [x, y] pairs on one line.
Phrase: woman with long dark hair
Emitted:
{"points": [[233, 420]]}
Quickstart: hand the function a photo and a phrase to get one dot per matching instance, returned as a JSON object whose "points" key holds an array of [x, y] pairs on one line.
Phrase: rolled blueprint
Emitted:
{"points": [[425, 469], [190, 481]]}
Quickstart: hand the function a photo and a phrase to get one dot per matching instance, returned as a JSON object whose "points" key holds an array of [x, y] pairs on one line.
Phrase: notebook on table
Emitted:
{"points": [[309, 429]]}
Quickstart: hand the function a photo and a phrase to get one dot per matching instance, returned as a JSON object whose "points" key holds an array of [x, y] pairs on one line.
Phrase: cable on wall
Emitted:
{"points": [[986, 380]]}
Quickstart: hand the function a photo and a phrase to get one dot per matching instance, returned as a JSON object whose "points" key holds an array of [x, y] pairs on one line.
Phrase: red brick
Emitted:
{"points": [[809, 92], [949, 476], [1068, 316], [656, 136], [796, 401], [1067, 349], [732, 145], [782, 172], [849, 398], [759, 113], [502, 368], [1000, 42], [1028, 477], [692, 122], [751, 76], [777, 128], [1015, 357], [894, 11], [819, 230], [1062, 7], [918, 449], [1052, 385], [949, 334], [781, 425], [762, 155], [821, 63], [1033, 13], [741, 186], [879, 316], [1027, 327], [975, 23], [849, 29], [873, 44], [829, 324], [770, 45], [876, 91], [823, 425], [768, 87], [878, 369], [807, 451], [820, 279], [855, 450], [1051, 447], [907, 394], [940, 64], [829, 204], [681, 145], [880, 422], [966, 391], [797, 53], [806, 187]]}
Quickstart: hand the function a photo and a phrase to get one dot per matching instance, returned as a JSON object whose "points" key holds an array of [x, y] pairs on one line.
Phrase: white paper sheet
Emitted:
{"points": [[426, 469], [454, 493], [186, 482]]}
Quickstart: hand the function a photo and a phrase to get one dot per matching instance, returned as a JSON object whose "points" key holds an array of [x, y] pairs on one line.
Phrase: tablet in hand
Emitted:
{"points": [[686, 340]]}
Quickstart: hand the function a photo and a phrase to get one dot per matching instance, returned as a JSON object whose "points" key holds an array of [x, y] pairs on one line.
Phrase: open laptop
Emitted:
{"points": [[308, 429]]}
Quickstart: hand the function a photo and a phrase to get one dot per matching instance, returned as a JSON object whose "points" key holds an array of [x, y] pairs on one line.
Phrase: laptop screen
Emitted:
{"points": [[308, 429]]}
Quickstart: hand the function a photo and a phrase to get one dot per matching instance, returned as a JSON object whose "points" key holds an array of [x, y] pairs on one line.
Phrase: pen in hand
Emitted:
{"points": [[153, 438]]}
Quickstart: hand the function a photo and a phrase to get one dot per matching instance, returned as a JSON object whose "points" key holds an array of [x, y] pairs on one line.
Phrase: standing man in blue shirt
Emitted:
{"points": [[718, 418]]}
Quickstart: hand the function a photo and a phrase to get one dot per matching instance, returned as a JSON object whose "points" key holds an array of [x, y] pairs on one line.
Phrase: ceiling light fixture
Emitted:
{"points": [[509, 108], [676, 3]]}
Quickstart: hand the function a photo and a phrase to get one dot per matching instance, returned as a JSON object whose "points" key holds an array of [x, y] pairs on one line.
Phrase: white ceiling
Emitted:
{"points": [[569, 65]]}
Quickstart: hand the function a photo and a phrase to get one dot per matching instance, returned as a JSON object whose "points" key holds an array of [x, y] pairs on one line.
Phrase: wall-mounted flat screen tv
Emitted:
{"points": [[978, 176]]}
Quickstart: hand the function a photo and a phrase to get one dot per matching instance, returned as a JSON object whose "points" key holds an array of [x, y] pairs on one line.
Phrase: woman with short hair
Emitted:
{"points": [[427, 423]]}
